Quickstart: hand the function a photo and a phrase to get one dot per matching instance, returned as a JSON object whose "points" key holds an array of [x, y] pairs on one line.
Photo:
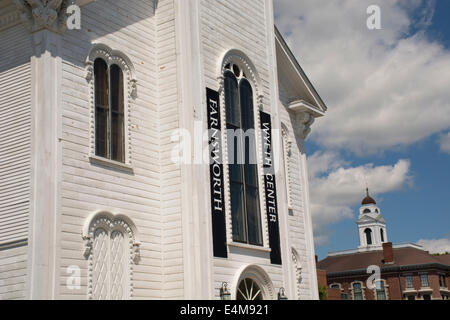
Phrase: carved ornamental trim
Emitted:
{"points": [[43, 14], [303, 117], [112, 57], [111, 222]]}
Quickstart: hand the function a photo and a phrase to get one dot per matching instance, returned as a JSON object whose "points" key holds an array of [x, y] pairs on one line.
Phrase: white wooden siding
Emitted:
{"points": [[15, 137], [128, 26], [241, 25], [13, 266]]}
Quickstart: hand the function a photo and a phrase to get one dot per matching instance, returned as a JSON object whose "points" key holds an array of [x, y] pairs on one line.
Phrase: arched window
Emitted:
{"points": [[357, 291], [243, 171], [111, 248], [335, 286], [368, 233], [381, 290], [367, 211], [249, 290], [382, 235], [109, 111]]}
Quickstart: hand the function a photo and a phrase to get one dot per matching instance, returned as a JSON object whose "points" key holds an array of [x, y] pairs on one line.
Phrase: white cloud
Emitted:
{"points": [[335, 189], [445, 143], [384, 88], [436, 246]]}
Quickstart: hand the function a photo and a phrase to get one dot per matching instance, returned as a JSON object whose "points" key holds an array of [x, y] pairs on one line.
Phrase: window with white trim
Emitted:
{"points": [[357, 291], [242, 157], [109, 111], [424, 280], [409, 281], [368, 233], [381, 290], [113, 88], [442, 281]]}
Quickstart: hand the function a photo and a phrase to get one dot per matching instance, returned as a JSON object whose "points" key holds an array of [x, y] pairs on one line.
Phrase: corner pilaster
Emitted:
{"points": [[46, 78]]}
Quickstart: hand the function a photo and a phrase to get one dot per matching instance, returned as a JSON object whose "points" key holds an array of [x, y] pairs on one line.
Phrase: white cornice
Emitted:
{"points": [[301, 75], [9, 17]]}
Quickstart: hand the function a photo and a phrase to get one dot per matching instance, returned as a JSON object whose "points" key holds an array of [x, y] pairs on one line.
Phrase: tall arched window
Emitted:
{"points": [[382, 235], [244, 185], [109, 111], [368, 233]]}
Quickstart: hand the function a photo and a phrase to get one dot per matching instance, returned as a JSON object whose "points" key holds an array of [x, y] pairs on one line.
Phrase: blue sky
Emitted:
{"points": [[388, 124]]}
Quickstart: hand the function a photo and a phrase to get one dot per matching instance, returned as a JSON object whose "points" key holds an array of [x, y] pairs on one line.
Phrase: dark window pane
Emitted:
{"points": [[237, 213], [231, 100], [101, 108], [251, 175], [236, 171], [246, 96], [368, 233], [236, 70], [117, 115], [234, 145], [242, 156], [253, 216]]}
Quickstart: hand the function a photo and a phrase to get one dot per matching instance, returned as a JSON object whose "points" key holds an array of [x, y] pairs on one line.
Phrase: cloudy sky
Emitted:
{"points": [[388, 123]]}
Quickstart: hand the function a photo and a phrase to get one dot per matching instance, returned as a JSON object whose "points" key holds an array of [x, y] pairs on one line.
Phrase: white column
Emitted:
{"points": [[196, 213], [46, 76]]}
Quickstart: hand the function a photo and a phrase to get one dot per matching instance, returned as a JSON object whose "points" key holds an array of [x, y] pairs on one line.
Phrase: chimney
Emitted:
{"points": [[388, 253]]}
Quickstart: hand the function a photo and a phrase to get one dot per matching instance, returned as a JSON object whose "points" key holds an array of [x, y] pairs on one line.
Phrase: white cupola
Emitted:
{"points": [[371, 225]]}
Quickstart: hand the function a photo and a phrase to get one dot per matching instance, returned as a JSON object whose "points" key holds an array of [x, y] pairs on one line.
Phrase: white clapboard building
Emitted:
{"points": [[95, 203]]}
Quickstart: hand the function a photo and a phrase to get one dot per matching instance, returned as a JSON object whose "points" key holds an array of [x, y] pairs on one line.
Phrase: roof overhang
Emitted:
{"points": [[303, 95]]}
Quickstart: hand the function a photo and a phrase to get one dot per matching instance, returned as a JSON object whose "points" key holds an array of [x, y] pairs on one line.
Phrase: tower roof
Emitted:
{"points": [[368, 199]]}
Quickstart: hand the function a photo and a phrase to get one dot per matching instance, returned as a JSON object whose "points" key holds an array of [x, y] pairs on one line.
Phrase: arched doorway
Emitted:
{"points": [[253, 283]]}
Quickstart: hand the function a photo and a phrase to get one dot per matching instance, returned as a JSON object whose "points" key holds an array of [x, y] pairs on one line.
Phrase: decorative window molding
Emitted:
{"points": [[352, 289], [336, 285], [236, 57], [104, 235], [112, 57], [298, 270], [287, 155], [385, 287]]}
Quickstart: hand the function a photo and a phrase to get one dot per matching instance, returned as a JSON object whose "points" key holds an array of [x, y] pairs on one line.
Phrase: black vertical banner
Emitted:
{"points": [[216, 175], [270, 187]]}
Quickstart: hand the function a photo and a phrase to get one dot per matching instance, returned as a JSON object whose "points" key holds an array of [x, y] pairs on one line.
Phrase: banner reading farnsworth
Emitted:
{"points": [[270, 187], [216, 175]]}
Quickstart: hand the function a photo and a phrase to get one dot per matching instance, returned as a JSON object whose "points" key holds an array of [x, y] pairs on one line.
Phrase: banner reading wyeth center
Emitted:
{"points": [[270, 187]]}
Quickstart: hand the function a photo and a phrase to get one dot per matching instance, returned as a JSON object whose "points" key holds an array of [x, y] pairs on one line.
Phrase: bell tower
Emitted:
{"points": [[371, 225]]}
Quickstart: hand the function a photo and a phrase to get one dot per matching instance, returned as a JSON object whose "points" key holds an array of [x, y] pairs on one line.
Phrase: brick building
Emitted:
{"points": [[407, 271]]}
